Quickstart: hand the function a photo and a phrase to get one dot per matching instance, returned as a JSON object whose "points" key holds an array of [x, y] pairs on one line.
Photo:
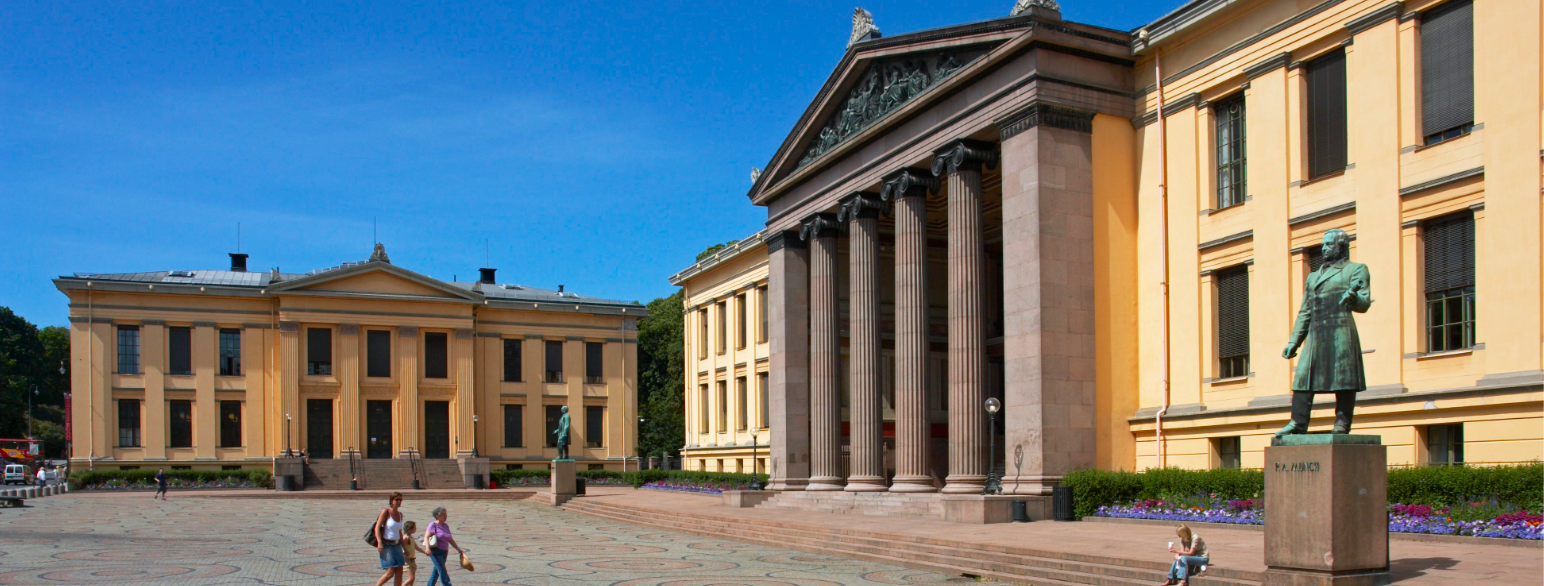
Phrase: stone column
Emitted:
{"points": [[907, 191], [464, 363], [961, 162], [1048, 296], [860, 212], [154, 432], [409, 430], [821, 231], [346, 367], [287, 424], [788, 378]]}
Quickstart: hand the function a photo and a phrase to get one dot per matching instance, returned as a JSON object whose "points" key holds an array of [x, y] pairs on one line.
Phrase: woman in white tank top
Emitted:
{"points": [[388, 535]]}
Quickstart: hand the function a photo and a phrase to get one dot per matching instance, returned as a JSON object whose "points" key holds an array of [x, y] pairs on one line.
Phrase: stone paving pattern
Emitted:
{"points": [[130, 539]]}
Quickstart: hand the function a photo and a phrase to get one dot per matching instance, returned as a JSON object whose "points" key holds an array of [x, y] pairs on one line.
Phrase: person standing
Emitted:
{"points": [[160, 484], [388, 537], [443, 541]]}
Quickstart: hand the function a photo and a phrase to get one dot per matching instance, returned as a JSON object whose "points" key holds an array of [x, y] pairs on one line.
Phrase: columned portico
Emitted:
{"points": [[906, 191], [860, 212], [821, 231]]}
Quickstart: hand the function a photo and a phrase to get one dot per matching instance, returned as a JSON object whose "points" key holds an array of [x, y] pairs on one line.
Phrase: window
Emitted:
{"points": [[230, 467], [761, 394], [128, 423], [378, 353], [554, 362], [722, 408], [1314, 256], [554, 413], [1229, 113], [512, 361], [179, 350], [722, 315], [742, 404], [761, 311], [318, 351], [740, 321], [1447, 71], [128, 350], [230, 352], [594, 363], [1326, 114], [594, 426], [1445, 444], [436, 355], [230, 424], [1228, 452], [596, 466], [1233, 322], [1448, 244], [514, 428], [181, 424], [702, 334], [702, 408]]}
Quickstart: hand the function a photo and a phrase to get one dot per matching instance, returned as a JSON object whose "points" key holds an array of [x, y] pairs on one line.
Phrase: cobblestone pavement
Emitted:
{"points": [[132, 540]]}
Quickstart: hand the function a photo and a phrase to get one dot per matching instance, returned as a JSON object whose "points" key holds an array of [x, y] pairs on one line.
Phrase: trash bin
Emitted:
{"points": [[1020, 512], [579, 485], [1061, 504]]}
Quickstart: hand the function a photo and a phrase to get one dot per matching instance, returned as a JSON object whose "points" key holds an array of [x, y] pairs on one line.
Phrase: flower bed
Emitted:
{"points": [[1476, 519], [175, 479], [689, 486], [1214, 510]]}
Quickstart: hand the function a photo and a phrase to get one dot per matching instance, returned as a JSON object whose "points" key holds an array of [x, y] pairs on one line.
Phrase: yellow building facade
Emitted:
{"points": [[224, 369], [725, 305]]}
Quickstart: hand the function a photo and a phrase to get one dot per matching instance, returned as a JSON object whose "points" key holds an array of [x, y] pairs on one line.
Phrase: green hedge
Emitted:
{"points": [[145, 479], [633, 478], [1519, 487]]}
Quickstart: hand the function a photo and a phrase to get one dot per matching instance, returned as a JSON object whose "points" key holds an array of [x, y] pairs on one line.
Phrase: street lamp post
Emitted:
{"points": [[756, 464], [640, 448], [994, 485], [474, 435], [286, 435]]}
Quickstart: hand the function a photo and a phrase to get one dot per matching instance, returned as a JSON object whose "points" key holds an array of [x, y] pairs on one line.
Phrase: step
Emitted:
{"points": [[1050, 567]]}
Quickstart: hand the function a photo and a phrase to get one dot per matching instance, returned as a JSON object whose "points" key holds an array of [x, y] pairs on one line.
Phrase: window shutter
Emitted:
{"points": [[378, 353], [1449, 249], [512, 360], [1327, 114], [180, 344], [1447, 67], [1315, 257], [1233, 312]]}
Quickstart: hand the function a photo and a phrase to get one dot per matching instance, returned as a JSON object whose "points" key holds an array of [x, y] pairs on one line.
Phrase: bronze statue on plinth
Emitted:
{"points": [[562, 433], [1332, 360]]}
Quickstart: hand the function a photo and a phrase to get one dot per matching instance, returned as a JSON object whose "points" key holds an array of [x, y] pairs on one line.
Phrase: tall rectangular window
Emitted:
{"points": [[512, 361], [702, 408], [554, 362], [514, 426], [594, 426], [761, 395], [230, 424], [1445, 444], [554, 414], [181, 424], [741, 404], [436, 355], [722, 315], [1233, 322], [1447, 71], [594, 363], [702, 334], [1229, 113], [128, 423], [230, 352], [1326, 114], [319, 351], [1228, 452], [740, 321], [179, 350], [1448, 244], [128, 349], [721, 408], [378, 353], [761, 314]]}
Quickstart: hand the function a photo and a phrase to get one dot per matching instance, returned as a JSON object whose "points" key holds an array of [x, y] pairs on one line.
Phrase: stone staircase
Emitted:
{"points": [[395, 473], [1010, 564], [924, 505]]}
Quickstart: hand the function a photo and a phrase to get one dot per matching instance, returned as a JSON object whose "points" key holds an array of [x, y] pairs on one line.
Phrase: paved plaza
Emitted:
{"points": [[130, 539]]}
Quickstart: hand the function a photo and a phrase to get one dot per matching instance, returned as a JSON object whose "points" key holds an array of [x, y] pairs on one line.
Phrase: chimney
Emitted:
{"points": [[487, 275], [238, 262], [560, 288]]}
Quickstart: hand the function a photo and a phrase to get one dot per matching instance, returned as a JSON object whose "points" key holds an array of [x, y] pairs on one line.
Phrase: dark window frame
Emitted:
{"points": [[552, 413], [377, 359], [553, 375], [230, 351], [513, 361], [761, 299], [1232, 321], [318, 354], [1447, 71], [128, 350], [1328, 125], [514, 435], [763, 400], [594, 363], [1230, 452], [230, 424], [594, 426], [179, 350], [722, 309], [1448, 281], [742, 404], [179, 422], [1231, 138], [1445, 444], [721, 408], [436, 355], [130, 423], [741, 320]]}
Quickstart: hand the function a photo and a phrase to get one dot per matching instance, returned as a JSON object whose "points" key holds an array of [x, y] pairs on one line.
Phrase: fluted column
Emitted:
{"points": [[788, 327], [821, 231], [960, 163], [860, 212], [907, 192]]}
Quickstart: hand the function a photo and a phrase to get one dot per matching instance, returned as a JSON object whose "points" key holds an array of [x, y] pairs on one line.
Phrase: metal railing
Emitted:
{"points": [[355, 470], [416, 464]]}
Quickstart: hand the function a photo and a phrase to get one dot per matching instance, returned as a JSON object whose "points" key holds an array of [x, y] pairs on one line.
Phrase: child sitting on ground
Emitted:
{"points": [[410, 549]]}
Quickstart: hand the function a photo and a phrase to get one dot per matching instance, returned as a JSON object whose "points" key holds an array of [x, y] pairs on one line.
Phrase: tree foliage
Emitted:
{"points": [[661, 377], [30, 360]]}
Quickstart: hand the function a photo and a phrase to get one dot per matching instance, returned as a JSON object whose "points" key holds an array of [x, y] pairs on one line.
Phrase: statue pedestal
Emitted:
{"points": [[562, 488], [1326, 511], [474, 472]]}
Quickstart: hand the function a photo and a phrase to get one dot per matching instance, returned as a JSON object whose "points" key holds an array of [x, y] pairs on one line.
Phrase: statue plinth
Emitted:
{"points": [[563, 486], [1326, 511]]}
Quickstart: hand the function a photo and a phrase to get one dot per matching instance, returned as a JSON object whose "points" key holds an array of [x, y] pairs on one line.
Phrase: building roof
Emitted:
{"points": [[731, 250]]}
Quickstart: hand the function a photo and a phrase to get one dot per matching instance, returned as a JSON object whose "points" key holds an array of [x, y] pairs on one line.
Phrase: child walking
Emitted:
{"points": [[410, 549]]}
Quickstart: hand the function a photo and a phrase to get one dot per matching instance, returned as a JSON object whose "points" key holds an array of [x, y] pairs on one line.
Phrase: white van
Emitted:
{"points": [[16, 474]]}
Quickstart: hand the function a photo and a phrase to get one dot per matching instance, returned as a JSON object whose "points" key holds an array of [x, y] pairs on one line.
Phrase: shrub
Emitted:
{"points": [[1092, 489], [1513, 487], [634, 478], [145, 479]]}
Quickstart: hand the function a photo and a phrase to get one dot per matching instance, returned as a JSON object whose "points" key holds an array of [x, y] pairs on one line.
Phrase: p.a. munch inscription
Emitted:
{"points": [[1297, 467]]}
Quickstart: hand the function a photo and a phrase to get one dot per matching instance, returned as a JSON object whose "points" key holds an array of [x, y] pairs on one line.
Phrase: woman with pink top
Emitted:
{"points": [[443, 541]]}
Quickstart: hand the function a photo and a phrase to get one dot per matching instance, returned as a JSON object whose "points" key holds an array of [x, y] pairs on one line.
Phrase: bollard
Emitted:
{"points": [[1020, 512]]}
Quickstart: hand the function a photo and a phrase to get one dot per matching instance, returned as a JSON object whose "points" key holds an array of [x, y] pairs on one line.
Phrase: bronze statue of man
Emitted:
{"points": [[562, 433], [1332, 360]]}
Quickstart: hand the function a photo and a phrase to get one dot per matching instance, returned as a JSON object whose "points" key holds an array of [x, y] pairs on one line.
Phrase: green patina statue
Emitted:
{"points": [[1332, 358], [562, 433]]}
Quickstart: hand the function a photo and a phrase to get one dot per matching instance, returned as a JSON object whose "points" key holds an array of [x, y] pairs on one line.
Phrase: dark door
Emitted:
{"points": [[378, 429], [436, 429], [319, 428]]}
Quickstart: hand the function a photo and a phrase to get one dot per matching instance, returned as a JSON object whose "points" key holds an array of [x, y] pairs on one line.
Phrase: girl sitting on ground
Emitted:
{"points": [[1192, 553]]}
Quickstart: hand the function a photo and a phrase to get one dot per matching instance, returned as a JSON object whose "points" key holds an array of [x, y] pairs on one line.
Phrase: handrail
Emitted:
{"points": [[416, 464], [354, 466]]}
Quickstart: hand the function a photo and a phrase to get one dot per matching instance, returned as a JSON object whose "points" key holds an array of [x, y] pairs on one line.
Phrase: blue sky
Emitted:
{"points": [[597, 145]]}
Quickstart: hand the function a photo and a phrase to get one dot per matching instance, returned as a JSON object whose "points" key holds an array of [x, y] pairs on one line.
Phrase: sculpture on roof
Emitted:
{"points": [[274, 276], [863, 27], [755, 174], [1022, 6], [380, 254]]}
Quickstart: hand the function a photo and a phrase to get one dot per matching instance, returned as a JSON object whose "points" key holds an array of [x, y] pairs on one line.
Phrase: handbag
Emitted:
{"points": [[430, 539], [370, 535], [466, 563]]}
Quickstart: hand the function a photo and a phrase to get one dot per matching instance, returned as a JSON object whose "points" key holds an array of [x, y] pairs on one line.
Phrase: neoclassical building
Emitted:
{"points": [[1061, 217], [228, 368]]}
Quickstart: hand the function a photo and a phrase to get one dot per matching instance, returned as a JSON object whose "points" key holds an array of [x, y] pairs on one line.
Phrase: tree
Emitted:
{"points": [[661, 377], [31, 359], [712, 250]]}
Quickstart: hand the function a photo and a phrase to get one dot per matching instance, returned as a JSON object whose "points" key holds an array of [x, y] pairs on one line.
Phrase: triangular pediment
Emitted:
{"points": [[374, 279]]}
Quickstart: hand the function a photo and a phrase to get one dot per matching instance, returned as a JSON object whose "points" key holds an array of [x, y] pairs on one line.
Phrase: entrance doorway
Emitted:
{"points": [[319, 428], [378, 429], [436, 429]]}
